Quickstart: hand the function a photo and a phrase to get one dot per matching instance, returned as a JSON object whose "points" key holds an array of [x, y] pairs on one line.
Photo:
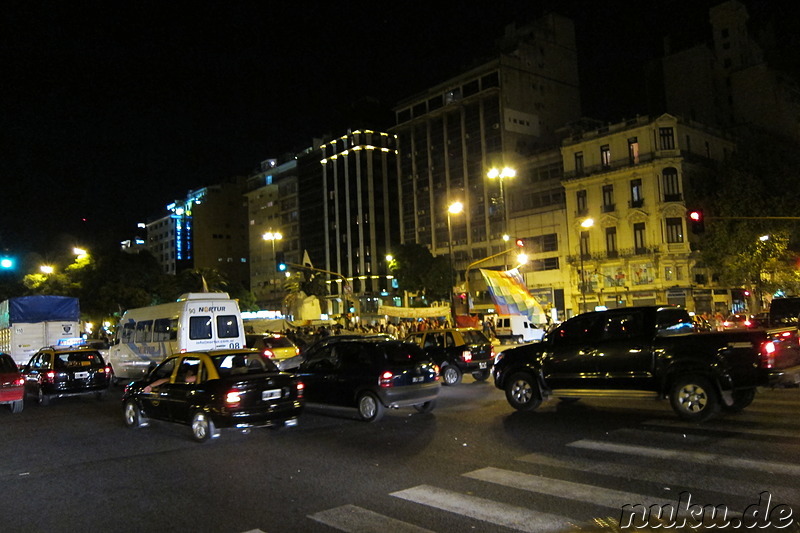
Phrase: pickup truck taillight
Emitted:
{"points": [[768, 354], [300, 388]]}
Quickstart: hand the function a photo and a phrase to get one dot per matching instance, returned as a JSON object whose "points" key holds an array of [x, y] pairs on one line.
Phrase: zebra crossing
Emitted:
{"points": [[702, 457]]}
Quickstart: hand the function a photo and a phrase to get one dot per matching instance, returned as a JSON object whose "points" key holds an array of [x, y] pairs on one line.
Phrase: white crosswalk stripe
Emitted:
{"points": [[688, 456], [493, 512], [726, 425], [356, 519]]}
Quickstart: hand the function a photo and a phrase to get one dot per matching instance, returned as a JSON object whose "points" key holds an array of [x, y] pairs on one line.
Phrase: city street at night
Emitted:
{"points": [[473, 464]]}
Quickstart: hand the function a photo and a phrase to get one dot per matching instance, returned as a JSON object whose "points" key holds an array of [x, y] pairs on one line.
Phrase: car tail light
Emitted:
{"points": [[232, 398], [493, 352], [466, 355], [297, 351], [301, 387], [49, 376], [106, 369], [747, 323], [269, 354], [386, 379], [437, 370], [19, 381], [768, 354]]}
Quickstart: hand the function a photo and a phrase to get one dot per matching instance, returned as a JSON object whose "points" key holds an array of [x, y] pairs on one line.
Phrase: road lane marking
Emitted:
{"points": [[688, 480], [570, 490], [772, 467], [724, 425], [496, 513], [354, 519]]}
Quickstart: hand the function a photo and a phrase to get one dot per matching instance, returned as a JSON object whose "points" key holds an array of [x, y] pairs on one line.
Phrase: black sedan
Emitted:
{"points": [[370, 374], [212, 390]]}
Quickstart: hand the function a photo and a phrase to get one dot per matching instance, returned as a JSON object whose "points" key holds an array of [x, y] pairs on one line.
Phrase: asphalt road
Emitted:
{"points": [[471, 465]]}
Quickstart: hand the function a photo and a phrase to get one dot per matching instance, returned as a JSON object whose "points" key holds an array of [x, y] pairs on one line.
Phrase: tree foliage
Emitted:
{"points": [[757, 181], [417, 270]]}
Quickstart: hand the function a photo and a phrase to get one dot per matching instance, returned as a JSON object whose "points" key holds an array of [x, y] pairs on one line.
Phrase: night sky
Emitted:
{"points": [[110, 110]]}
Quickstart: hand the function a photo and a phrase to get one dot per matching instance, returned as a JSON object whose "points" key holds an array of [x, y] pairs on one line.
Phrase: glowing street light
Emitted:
{"points": [[502, 174], [453, 209], [586, 224], [46, 269], [79, 252], [273, 236]]}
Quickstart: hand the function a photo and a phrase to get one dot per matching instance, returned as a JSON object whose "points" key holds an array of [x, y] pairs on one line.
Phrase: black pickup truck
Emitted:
{"points": [[639, 352]]}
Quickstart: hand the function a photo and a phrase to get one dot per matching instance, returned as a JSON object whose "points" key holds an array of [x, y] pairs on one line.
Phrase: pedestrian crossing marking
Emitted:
{"points": [[356, 519], [497, 513], [772, 467], [570, 490], [724, 425]]}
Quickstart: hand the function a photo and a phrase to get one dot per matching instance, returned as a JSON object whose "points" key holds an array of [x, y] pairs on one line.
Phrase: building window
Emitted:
{"points": [[636, 193], [638, 238], [605, 156], [674, 230], [668, 273], [578, 163], [608, 198], [633, 151], [550, 263], [611, 242], [667, 137], [542, 243], [580, 198], [584, 243], [671, 185]]}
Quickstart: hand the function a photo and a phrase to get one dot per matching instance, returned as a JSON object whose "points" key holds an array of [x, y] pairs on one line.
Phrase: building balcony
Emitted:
{"points": [[636, 203], [608, 208]]}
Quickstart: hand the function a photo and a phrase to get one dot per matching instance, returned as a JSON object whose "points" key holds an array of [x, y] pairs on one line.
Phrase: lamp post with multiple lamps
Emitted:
{"points": [[502, 174], [453, 209], [272, 236], [586, 224]]}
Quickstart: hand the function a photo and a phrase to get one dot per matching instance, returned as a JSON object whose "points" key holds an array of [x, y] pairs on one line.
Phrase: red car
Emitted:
{"points": [[12, 384]]}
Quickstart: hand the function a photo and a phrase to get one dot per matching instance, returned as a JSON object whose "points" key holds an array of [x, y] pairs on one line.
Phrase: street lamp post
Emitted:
{"points": [[272, 236], [588, 223], [452, 209], [501, 174]]}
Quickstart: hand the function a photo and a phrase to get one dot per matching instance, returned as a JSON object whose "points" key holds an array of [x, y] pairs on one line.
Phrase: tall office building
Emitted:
{"points": [[497, 115], [348, 215]]}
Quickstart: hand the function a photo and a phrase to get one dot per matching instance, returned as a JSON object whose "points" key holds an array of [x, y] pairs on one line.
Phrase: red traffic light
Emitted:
{"points": [[520, 242], [695, 216], [696, 221]]}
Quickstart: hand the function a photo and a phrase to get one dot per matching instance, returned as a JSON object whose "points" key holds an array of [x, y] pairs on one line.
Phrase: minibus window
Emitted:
{"points": [[227, 326], [165, 329], [200, 327], [127, 332], [143, 330]]}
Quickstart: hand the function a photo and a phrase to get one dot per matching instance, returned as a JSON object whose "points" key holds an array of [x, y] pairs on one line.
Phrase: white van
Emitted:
{"points": [[516, 328], [196, 322]]}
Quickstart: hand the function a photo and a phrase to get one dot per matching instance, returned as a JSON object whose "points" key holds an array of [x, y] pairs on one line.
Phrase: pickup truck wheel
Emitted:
{"points": [[481, 375], [741, 399], [451, 375], [694, 399], [522, 392]]}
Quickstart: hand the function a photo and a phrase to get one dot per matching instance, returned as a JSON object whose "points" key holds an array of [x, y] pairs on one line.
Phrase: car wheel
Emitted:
{"points": [[132, 415], [741, 399], [451, 375], [370, 408], [41, 397], [522, 392], [426, 407], [16, 406], [481, 375], [203, 428], [694, 399]]}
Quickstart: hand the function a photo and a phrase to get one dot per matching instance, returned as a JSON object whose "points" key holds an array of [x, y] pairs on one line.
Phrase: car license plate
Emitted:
{"points": [[482, 365], [417, 379], [270, 394], [81, 375]]}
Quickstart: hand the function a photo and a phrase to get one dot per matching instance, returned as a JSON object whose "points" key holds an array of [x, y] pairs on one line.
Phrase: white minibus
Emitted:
{"points": [[196, 322]]}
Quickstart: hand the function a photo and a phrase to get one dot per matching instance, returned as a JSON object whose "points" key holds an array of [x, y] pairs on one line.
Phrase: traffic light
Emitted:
{"points": [[280, 262], [520, 242], [697, 221]]}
